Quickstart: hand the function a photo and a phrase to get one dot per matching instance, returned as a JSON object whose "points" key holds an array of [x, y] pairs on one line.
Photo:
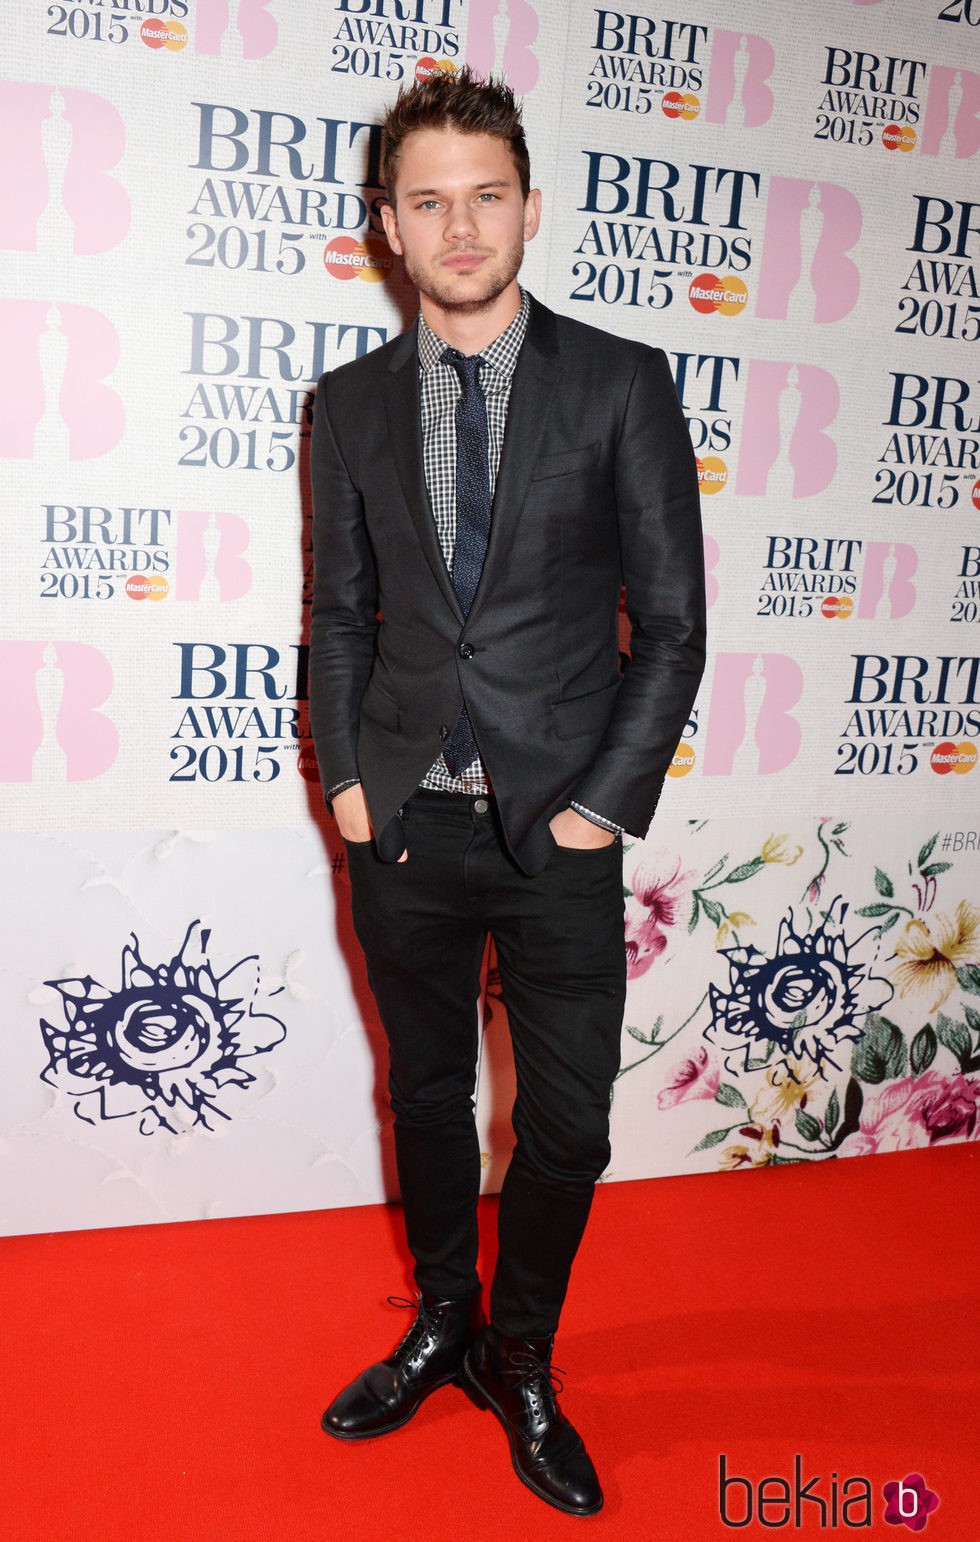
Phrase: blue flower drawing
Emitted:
{"points": [[166, 1045], [800, 1004]]}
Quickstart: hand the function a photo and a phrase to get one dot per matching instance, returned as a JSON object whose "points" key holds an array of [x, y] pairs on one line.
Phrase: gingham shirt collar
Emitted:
{"points": [[501, 355]]}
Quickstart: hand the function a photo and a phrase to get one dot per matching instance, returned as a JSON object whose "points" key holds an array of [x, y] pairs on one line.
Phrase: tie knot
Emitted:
{"points": [[466, 365]]}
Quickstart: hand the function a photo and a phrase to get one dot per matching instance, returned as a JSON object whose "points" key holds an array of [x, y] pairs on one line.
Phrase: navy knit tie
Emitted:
{"points": [[472, 518]]}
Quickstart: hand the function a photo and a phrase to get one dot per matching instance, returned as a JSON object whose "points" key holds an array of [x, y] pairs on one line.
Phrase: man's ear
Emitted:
{"points": [[532, 213], [390, 222]]}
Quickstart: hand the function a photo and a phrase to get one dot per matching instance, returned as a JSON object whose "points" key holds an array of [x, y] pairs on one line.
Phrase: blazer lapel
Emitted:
{"points": [[403, 409], [536, 380]]}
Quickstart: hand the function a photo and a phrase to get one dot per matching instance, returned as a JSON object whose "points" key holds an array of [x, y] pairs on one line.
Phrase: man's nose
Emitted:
{"points": [[461, 222]]}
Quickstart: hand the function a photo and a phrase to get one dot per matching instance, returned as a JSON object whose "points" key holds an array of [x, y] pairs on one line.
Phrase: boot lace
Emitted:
{"points": [[423, 1328], [540, 1382]]}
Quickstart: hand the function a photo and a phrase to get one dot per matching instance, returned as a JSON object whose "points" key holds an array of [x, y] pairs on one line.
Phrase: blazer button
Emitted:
{"points": [[444, 732], [466, 650]]}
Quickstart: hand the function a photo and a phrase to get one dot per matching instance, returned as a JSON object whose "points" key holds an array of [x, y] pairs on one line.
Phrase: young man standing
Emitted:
{"points": [[483, 487]]}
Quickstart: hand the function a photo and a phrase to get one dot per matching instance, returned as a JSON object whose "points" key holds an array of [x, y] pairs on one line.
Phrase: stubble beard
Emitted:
{"points": [[429, 283]]}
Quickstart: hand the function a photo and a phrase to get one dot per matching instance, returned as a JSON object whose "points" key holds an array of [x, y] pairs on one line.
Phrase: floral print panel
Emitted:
{"points": [[797, 992]]}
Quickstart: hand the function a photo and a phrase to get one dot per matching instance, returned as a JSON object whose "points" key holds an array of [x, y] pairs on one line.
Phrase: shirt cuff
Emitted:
{"points": [[597, 819], [353, 781]]}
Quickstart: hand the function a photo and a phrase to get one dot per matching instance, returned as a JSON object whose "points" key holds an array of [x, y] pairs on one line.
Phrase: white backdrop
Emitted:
{"points": [[786, 202]]}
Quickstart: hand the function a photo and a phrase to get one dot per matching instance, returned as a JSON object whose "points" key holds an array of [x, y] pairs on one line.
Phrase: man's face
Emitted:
{"points": [[461, 221]]}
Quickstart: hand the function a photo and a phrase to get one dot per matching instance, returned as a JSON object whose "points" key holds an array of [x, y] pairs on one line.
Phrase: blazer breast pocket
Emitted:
{"points": [[563, 463]]}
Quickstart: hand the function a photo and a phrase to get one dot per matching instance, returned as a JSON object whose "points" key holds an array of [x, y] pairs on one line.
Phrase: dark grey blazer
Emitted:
{"points": [[597, 487]]}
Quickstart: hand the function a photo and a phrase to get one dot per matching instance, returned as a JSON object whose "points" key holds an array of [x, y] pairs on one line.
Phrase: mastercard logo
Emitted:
{"points": [[837, 607], [975, 495], [898, 136], [683, 761], [306, 764], [680, 105], [343, 257], [726, 296], [947, 757], [157, 33], [426, 67], [147, 586], [712, 474]]}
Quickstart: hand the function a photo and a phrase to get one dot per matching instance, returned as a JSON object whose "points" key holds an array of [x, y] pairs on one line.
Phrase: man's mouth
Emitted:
{"points": [[464, 262]]}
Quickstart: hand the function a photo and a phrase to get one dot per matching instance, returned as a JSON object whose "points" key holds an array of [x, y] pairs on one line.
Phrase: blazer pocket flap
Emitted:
{"points": [[380, 707], [583, 714], [564, 462]]}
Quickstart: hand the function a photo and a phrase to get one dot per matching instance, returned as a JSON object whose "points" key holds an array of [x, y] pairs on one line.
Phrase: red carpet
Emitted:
{"points": [[167, 1382]]}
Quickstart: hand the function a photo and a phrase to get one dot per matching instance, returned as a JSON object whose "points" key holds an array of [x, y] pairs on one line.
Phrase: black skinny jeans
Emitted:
{"points": [[559, 937]]}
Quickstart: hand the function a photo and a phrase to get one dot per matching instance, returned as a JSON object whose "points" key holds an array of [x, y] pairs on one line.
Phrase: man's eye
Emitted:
{"points": [[488, 197]]}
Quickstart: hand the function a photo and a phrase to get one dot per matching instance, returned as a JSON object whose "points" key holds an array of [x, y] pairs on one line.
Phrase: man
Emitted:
{"points": [[483, 486]]}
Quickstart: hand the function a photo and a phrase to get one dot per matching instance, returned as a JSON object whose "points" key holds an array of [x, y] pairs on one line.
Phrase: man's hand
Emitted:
{"points": [[569, 828], [351, 813], [353, 820]]}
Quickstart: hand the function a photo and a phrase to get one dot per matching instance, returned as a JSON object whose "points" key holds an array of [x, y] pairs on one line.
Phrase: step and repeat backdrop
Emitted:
{"points": [[786, 201]]}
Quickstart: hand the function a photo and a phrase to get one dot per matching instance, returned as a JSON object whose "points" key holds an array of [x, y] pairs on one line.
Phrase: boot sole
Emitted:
{"points": [[388, 1429], [478, 1395]]}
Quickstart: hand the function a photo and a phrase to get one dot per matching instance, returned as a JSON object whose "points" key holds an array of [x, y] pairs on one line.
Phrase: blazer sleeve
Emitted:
{"points": [[663, 570], [343, 622]]}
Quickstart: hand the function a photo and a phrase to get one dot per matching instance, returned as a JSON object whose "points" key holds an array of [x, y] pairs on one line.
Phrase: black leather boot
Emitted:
{"points": [[386, 1395], [513, 1378]]}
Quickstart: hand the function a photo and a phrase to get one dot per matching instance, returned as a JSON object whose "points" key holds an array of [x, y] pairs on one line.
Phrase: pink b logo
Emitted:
{"points": [[57, 196], [255, 31], [888, 571], [53, 396], [500, 36], [750, 727], [741, 65], [788, 407], [50, 700], [951, 126], [210, 564], [805, 273]]}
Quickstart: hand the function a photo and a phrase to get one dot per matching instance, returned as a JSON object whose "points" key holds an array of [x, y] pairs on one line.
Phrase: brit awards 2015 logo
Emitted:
{"points": [[59, 194], [639, 60], [705, 386], [966, 596], [244, 711], [54, 400], [655, 223], [870, 99], [742, 65], [274, 182], [155, 23], [52, 700], [397, 40], [908, 711], [235, 29], [167, 1046], [806, 272], [785, 444], [254, 375], [932, 455], [836, 577], [93, 552], [501, 37], [751, 729], [940, 298]]}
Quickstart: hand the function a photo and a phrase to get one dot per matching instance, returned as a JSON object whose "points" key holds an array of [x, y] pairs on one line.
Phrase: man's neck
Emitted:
{"points": [[472, 332]]}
